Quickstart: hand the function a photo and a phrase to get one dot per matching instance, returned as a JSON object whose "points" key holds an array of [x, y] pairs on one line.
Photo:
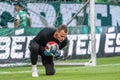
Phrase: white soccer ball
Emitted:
{"points": [[52, 46]]}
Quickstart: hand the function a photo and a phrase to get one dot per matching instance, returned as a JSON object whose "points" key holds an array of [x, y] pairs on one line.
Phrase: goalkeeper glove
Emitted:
{"points": [[57, 54], [48, 53]]}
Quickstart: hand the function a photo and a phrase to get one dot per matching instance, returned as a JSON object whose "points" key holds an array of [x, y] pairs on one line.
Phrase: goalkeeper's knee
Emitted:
{"points": [[49, 68]]}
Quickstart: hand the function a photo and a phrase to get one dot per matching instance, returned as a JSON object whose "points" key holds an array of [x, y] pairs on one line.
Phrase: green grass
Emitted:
{"points": [[106, 69]]}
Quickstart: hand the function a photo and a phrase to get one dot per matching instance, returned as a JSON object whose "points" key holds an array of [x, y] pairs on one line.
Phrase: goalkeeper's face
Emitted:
{"points": [[61, 35]]}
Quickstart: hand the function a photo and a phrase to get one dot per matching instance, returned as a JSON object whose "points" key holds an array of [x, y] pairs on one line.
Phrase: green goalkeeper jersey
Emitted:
{"points": [[23, 17]]}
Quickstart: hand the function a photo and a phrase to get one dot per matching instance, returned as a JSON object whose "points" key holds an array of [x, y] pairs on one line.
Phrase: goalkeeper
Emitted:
{"points": [[38, 44]]}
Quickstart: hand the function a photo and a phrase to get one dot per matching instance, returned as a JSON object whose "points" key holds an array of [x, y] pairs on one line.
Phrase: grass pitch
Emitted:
{"points": [[106, 69]]}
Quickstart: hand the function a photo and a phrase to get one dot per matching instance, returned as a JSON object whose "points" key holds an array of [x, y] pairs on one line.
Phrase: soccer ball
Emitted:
{"points": [[52, 46]]}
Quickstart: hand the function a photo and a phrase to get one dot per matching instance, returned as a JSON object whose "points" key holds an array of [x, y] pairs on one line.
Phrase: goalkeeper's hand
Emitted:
{"points": [[57, 54], [49, 53]]}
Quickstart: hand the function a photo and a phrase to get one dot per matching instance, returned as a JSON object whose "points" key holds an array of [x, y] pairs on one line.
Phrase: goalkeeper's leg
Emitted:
{"points": [[49, 68], [34, 48], [46, 60], [48, 63]]}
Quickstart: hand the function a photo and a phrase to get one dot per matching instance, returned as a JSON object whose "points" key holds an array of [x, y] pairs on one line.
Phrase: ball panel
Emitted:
{"points": [[51, 46]]}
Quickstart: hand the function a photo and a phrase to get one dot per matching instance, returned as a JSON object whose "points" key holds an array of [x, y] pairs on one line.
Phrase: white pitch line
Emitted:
{"points": [[19, 72], [5, 72]]}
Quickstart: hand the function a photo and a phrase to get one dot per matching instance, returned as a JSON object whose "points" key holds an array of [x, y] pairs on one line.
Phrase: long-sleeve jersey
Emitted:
{"points": [[46, 35]]}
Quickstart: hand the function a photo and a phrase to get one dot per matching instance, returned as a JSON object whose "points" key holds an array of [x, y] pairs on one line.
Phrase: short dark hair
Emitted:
{"points": [[18, 3], [63, 27]]}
